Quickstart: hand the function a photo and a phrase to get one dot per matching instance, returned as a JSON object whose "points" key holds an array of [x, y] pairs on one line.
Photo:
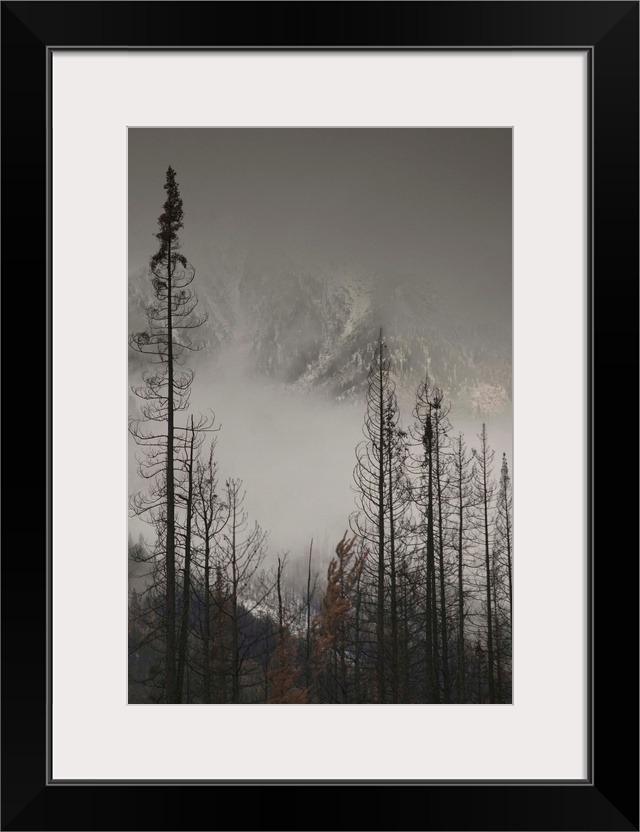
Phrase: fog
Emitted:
{"points": [[386, 202], [295, 453]]}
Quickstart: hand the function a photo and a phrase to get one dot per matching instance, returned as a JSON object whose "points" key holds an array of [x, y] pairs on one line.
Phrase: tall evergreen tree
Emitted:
{"points": [[165, 392]]}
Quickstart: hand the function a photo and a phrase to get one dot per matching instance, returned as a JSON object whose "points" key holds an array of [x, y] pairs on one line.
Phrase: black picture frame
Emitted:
{"points": [[608, 799]]}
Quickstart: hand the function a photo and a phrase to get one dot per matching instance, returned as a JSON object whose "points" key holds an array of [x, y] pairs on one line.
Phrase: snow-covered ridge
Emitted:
{"points": [[314, 326]]}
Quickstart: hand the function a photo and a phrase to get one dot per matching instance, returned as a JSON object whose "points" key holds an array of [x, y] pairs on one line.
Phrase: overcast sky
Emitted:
{"points": [[435, 202]]}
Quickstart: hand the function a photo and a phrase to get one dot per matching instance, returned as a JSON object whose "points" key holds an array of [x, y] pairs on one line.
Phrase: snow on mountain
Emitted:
{"points": [[313, 327]]}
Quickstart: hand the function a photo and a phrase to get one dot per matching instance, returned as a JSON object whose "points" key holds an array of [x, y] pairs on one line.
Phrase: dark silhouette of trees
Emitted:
{"points": [[311, 588], [382, 497], [461, 478], [284, 670], [434, 500], [163, 393], [370, 479], [484, 492], [241, 553], [440, 440], [187, 495], [504, 532], [228, 588], [211, 514], [502, 579], [416, 605], [425, 491]]}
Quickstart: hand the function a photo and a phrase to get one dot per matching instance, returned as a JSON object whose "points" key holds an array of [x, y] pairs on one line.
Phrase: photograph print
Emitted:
{"points": [[320, 416]]}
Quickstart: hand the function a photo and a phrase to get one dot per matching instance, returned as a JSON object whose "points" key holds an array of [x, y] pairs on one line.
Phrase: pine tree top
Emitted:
{"points": [[170, 222]]}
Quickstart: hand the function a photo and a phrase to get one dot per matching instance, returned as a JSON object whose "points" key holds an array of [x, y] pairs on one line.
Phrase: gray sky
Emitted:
{"points": [[436, 202]]}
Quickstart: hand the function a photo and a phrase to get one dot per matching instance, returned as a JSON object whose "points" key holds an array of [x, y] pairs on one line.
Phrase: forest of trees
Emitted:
{"points": [[416, 603]]}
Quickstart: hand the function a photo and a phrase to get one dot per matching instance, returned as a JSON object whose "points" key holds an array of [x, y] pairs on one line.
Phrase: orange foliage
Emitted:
{"points": [[342, 575]]}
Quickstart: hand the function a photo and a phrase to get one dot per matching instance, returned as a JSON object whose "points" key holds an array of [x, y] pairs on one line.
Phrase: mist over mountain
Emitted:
{"points": [[349, 395], [312, 326], [305, 243]]}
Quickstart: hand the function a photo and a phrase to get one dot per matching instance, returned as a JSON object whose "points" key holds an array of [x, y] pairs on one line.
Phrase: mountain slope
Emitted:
{"points": [[314, 327]]}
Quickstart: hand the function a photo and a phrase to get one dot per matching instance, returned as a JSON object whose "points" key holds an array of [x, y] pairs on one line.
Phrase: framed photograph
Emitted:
{"points": [[346, 352], [289, 279]]}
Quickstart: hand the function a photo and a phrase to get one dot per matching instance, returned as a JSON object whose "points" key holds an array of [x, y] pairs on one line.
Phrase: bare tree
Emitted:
{"points": [[425, 491], [484, 490], [196, 434], [382, 495], [211, 514], [461, 477], [504, 529], [502, 577], [441, 426], [242, 551], [311, 588]]}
